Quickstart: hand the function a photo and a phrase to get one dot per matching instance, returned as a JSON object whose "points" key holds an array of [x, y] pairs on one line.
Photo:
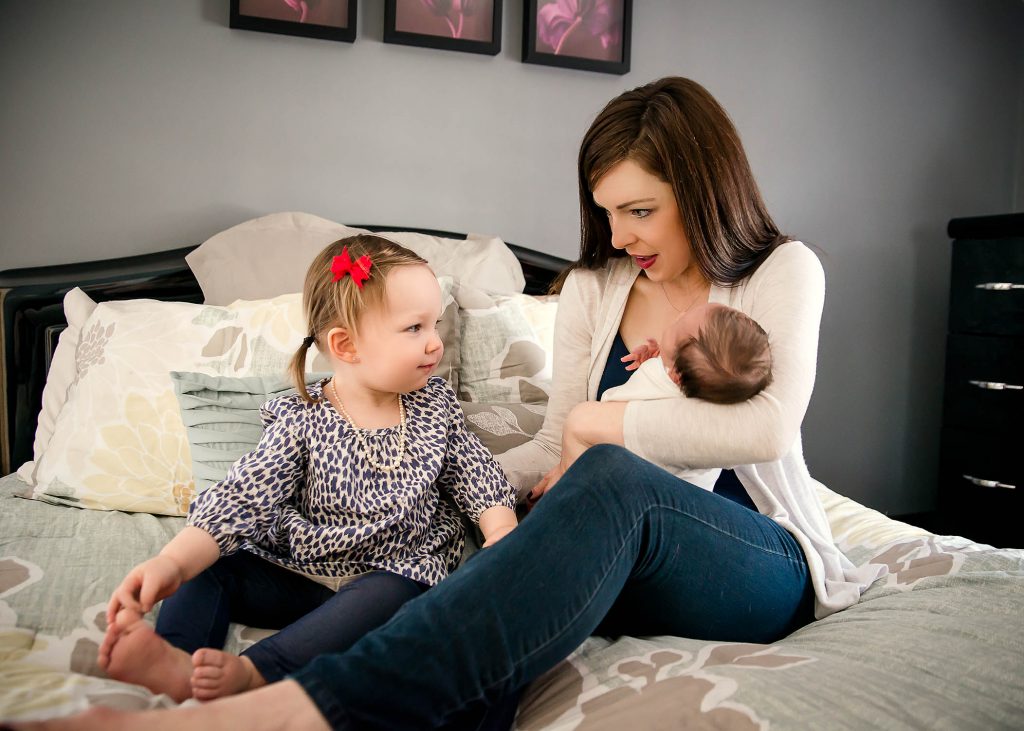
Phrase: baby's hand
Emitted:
{"points": [[643, 352]]}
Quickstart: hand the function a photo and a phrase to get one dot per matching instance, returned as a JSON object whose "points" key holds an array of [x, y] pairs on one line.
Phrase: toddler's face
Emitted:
{"points": [[683, 329]]}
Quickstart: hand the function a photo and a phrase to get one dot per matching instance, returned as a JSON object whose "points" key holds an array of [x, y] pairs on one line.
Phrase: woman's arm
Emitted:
{"points": [[590, 423], [785, 296], [574, 328]]}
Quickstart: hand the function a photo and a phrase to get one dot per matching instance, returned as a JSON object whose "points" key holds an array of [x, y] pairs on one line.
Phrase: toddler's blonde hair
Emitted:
{"points": [[328, 304]]}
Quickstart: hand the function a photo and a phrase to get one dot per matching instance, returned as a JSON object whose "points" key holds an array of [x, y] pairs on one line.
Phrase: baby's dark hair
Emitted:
{"points": [[728, 362]]}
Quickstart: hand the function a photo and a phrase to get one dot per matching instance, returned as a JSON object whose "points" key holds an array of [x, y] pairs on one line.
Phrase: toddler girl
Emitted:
{"points": [[343, 511]]}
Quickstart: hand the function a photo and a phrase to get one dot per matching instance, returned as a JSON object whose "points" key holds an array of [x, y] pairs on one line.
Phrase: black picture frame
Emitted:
{"points": [[392, 34], [534, 47], [249, 21]]}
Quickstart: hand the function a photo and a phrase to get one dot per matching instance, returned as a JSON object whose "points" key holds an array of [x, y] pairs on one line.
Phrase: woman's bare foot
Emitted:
{"points": [[216, 674], [143, 657], [277, 707]]}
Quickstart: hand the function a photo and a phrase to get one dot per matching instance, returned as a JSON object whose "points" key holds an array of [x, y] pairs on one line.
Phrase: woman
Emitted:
{"points": [[671, 217]]}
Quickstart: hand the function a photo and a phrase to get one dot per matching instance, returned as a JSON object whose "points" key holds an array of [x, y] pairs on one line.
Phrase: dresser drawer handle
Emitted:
{"points": [[999, 286], [988, 483], [995, 386]]}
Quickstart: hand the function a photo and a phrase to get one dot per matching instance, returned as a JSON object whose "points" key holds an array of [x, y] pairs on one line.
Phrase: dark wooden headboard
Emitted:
{"points": [[31, 300]]}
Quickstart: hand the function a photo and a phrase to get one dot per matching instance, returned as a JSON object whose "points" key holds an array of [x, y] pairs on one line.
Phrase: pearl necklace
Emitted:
{"points": [[362, 439]]}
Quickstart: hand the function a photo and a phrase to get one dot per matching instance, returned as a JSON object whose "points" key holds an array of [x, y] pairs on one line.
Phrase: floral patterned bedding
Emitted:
{"points": [[937, 643]]}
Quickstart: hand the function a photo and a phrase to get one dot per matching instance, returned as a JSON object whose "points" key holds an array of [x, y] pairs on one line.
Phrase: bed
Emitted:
{"points": [[938, 642]]}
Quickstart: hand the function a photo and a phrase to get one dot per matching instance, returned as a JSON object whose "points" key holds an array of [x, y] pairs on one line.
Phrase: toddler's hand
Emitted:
{"points": [[643, 352], [498, 533], [144, 586]]}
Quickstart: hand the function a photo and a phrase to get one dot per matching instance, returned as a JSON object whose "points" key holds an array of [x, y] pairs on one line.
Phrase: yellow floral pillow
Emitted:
{"points": [[118, 442]]}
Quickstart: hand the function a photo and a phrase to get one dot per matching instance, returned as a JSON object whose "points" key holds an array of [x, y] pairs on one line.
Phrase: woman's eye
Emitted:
{"points": [[641, 212]]}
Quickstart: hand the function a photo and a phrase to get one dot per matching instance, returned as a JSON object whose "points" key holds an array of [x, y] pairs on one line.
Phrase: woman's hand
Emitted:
{"points": [[546, 483]]}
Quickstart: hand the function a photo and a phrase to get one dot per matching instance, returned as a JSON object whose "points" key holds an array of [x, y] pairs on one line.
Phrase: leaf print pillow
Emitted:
{"points": [[503, 426]]}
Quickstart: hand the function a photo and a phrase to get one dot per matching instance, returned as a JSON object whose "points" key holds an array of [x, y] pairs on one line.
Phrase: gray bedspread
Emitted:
{"points": [[936, 644]]}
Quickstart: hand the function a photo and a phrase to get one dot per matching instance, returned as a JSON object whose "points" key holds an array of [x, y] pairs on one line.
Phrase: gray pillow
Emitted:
{"points": [[222, 417]]}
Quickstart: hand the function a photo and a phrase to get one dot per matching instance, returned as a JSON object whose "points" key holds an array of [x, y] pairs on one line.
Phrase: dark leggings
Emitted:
{"points": [[311, 618]]}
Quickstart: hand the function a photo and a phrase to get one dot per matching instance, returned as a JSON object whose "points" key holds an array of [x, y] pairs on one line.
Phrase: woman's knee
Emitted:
{"points": [[604, 471], [605, 458]]}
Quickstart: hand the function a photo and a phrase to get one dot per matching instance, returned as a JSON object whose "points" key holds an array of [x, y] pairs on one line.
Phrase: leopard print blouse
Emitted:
{"points": [[306, 499]]}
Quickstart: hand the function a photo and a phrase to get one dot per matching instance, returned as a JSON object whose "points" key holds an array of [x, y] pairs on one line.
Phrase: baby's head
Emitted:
{"points": [[346, 282], [717, 354]]}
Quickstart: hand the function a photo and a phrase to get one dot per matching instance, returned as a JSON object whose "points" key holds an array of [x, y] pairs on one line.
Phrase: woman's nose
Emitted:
{"points": [[622, 236]]}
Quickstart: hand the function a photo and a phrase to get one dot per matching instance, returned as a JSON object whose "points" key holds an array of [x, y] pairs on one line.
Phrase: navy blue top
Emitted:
{"points": [[615, 374]]}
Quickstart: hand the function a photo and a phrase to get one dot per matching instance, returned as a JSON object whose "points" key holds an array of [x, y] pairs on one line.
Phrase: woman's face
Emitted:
{"points": [[645, 220]]}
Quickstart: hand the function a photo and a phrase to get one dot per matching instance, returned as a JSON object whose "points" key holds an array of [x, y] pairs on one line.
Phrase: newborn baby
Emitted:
{"points": [[710, 352]]}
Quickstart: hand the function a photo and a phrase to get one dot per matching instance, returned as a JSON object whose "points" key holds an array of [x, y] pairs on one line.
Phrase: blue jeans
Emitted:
{"points": [[619, 546], [313, 619]]}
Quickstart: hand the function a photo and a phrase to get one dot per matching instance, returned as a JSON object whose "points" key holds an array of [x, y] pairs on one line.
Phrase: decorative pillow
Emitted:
{"points": [[503, 426], [222, 417], [119, 442], [78, 306], [506, 347], [268, 256]]}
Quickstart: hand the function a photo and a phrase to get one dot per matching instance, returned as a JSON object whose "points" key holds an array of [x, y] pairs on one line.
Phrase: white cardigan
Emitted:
{"points": [[759, 438]]}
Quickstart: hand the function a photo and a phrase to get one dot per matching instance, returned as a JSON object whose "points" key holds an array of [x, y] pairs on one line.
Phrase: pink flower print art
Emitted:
{"points": [[313, 12], [581, 28], [468, 20]]}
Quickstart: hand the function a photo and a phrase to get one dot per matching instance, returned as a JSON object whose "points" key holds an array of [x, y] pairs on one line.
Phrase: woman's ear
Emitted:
{"points": [[342, 345]]}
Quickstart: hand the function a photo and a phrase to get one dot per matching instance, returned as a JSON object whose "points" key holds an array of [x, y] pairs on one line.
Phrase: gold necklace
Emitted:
{"points": [[688, 307], [361, 439]]}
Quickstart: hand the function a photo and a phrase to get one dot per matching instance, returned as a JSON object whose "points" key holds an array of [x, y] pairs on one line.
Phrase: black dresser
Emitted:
{"points": [[982, 459]]}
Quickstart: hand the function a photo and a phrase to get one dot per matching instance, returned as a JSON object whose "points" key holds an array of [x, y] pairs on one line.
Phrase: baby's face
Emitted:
{"points": [[683, 329]]}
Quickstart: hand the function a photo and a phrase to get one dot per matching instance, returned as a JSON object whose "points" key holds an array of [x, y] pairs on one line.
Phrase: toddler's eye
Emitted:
{"points": [[414, 328]]}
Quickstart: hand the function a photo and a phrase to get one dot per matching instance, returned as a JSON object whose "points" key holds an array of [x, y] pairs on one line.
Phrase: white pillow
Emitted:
{"points": [[268, 256], [78, 306]]}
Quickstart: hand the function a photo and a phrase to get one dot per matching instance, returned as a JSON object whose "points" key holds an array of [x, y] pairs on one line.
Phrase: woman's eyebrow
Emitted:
{"points": [[633, 203]]}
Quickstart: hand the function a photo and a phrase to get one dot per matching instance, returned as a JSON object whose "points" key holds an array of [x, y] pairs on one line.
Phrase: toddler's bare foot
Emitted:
{"points": [[122, 620], [216, 674], [143, 657]]}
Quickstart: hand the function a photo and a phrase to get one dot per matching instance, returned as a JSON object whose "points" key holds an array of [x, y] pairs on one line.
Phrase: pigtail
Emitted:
{"points": [[297, 369]]}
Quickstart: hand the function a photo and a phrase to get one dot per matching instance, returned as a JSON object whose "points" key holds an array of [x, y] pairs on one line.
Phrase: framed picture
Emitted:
{"points": [[592, 35], [334, 20], [452, 25]]}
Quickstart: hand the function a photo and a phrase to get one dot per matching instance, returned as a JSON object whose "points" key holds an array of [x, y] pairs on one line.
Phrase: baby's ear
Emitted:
{"points": [[674, 375], [341, 345]]}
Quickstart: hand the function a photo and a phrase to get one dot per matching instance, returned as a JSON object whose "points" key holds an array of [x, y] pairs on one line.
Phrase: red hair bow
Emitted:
{"points": [[359, 269]]}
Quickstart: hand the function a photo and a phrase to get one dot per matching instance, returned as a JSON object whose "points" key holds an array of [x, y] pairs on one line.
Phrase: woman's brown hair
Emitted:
{"points": [[327, 303], [675, 130]]}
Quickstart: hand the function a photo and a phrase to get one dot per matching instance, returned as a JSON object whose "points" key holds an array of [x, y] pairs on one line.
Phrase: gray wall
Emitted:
{"points": [[129, 127]]}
